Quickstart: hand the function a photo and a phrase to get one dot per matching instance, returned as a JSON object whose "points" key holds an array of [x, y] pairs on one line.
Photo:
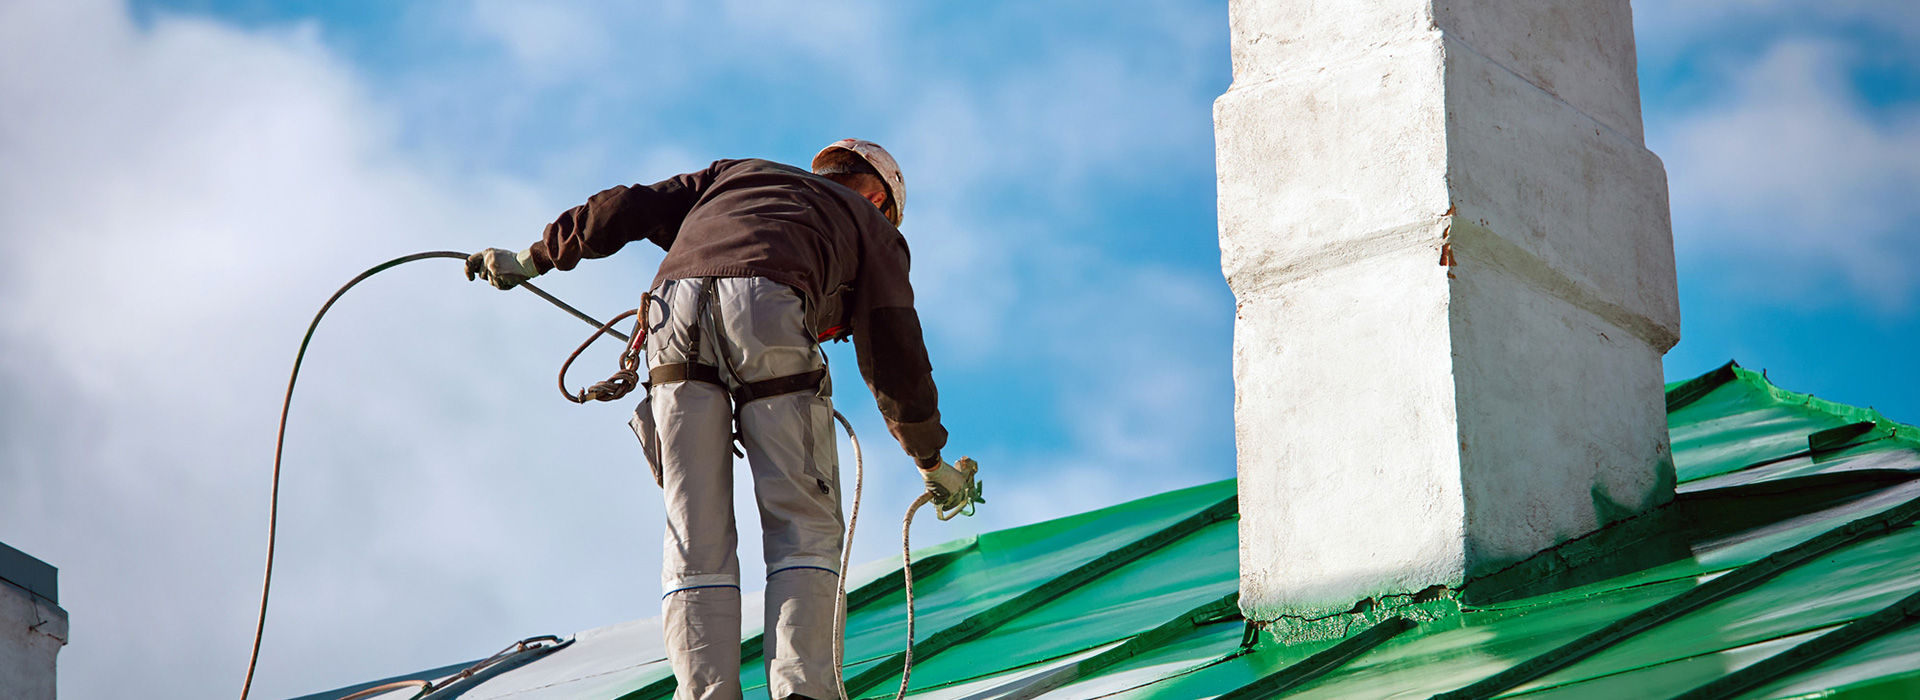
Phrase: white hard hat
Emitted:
{"points": [[882, 163]]}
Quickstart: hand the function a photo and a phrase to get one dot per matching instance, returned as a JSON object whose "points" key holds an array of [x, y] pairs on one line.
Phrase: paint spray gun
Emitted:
{"points": [[950, 507]]}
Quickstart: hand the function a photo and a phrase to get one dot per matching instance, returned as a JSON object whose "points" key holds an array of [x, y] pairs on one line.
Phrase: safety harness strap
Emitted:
{"points": [[683, 372], [748, 393], [769, 388]]}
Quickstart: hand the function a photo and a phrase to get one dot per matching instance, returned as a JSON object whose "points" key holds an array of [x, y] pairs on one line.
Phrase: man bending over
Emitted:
{"points": [[764, 262]]}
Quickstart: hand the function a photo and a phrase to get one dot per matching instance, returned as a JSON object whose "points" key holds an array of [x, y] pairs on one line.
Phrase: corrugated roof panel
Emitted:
{"points": [[1682, 673], [1888, 667], [1866, 457], [1850, 583], [984, 622], [1207, 663], [1007, 563], [1138, 597]]}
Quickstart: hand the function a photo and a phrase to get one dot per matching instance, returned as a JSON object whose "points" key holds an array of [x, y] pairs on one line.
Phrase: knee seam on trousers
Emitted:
{"points": [[711, 585], [828, 563], [699, 580], [791, 568]]}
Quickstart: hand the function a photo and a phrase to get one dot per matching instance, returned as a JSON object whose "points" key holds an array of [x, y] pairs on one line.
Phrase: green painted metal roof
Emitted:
{"points": [[1787, 567]]}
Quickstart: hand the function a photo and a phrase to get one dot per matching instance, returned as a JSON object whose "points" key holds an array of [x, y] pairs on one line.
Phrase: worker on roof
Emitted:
{"points": [[764, 262]]}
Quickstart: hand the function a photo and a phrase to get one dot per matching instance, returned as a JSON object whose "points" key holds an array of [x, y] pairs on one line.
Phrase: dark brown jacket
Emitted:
{"points": [[757, 218]]}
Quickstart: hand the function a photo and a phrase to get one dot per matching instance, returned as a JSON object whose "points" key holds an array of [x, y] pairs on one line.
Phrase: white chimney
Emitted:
{"points": [[1454, 267], [32, 626]]}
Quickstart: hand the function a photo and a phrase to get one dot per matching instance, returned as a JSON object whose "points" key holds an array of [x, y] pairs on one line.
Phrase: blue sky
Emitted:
{"points": [[1067, 146], [1791, 134], [182, 182]]}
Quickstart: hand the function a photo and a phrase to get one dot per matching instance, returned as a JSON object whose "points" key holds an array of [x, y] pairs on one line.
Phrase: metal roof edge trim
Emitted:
{"points": [[520, 654], [1853, 414], [426, 675], [1685, 392]]}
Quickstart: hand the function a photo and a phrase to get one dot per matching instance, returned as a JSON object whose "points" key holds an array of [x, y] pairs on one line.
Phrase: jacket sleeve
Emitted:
{"points": [[618, 216], [892, 351]]}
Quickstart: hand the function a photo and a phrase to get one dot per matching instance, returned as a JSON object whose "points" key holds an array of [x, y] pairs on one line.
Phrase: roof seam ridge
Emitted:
{"points": [[1897, 616], [1689, 657], [986, 621], [1735, 581], [1034, 686], [1313, 667]]}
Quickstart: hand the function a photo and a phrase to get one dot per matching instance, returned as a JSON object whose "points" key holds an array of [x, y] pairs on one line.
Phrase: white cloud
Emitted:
{"points": [[175, 201], [1795, 174], [662, 49], [546, 39], [1674, 23]]}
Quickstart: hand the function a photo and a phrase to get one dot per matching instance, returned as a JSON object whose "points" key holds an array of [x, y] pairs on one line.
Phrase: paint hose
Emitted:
{"points": [[279, 451], [280, 440]]}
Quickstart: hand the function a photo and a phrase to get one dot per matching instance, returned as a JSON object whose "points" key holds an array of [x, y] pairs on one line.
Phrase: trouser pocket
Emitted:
{"points": [[824, 460], [649, 434]]}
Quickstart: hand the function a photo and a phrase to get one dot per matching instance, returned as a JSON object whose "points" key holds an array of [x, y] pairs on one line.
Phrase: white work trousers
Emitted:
{"points": [[751, 329]]}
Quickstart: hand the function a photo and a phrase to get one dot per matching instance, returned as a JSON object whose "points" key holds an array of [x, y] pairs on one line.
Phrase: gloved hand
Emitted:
{"points": [[504, 268], [951, 487]]}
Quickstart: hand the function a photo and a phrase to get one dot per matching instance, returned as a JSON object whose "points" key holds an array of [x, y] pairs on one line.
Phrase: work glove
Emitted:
{"points": [[951, 488], [505, 269]]}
